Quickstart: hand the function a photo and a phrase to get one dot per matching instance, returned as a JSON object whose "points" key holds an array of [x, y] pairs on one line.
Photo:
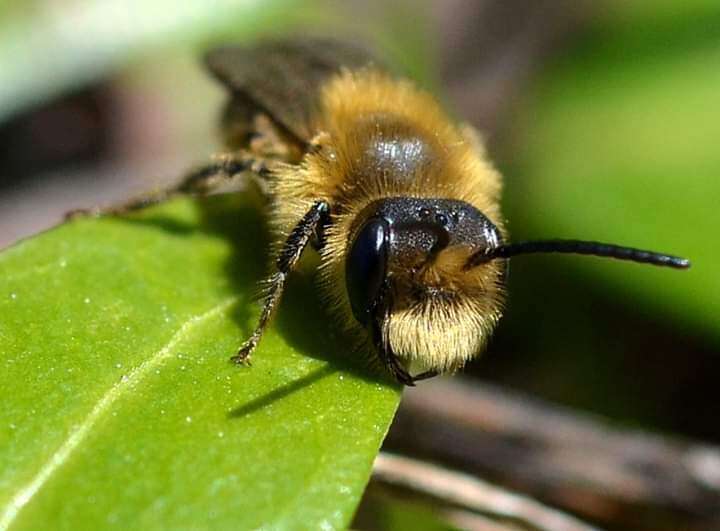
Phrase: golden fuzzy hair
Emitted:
{"points": [[440, 332]]}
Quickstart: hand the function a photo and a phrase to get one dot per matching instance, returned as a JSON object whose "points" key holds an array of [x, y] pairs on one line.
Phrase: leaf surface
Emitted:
{"points": [[120, 408]]}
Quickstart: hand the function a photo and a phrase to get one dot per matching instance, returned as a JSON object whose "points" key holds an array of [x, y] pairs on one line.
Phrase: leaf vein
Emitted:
{"points": [[80, 432]]}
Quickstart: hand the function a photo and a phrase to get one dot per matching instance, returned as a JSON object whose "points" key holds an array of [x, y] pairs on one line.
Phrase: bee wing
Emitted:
{"points": [[282, 78]]}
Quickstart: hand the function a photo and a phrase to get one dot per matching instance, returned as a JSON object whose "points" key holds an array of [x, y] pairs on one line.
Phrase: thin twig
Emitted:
{"points": [[572, 460], [468, 492]]}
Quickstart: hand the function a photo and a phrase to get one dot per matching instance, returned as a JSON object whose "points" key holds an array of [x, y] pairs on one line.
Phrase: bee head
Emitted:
{"points": [[426, 276], [399, 241], [407, 257]]}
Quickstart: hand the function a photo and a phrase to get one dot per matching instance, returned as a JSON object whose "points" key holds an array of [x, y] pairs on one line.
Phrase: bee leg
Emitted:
{"points": [[389, 359], [201, 181], [393, 366], [424, 376], [396, 370], [290, 253], [379, 330], [208, 178]]}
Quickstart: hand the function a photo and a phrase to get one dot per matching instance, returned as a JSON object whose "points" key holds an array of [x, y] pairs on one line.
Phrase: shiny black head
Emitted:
{"points": [[403, 235]]}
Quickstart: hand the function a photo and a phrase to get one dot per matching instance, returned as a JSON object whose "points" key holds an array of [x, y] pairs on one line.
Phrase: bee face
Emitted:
{"points": [[408, 255]]}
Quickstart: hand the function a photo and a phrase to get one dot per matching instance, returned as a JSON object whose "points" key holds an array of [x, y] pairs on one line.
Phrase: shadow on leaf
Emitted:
{"points": [[301, 318], [281, 392]]}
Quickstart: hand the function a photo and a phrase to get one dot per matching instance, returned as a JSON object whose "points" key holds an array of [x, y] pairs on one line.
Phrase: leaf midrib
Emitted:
{"points": [[25, 494]]}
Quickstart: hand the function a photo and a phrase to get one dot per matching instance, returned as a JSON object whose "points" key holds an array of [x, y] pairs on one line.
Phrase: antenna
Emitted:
{"points": [[606, 250]]}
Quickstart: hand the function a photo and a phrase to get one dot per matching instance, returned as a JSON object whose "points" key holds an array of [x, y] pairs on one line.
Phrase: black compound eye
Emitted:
{"points": [[366, 267]]}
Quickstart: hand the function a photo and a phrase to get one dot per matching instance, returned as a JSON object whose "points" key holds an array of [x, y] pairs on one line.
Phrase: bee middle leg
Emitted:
{"points": [[307, 228], [201, 181]]}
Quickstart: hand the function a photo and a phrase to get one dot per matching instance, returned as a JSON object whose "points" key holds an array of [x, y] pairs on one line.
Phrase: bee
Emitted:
{"points": [[401, 203]]}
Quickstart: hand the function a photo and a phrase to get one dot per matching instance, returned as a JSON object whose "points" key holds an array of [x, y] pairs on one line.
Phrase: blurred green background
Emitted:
{"points": [[616, 140], [607, 129]]}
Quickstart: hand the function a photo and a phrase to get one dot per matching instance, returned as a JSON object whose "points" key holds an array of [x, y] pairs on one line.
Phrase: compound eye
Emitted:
{"points": [[366, 267]]}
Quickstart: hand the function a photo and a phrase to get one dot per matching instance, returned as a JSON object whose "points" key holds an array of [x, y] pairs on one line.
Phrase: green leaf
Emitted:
{"points": [[121, 410]]}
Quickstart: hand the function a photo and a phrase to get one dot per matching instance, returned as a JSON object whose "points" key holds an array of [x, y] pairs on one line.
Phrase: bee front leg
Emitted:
{"points": [[202, 181], [291, 251], [381, 341], [397, 371], [425, 376], [395, 368]]}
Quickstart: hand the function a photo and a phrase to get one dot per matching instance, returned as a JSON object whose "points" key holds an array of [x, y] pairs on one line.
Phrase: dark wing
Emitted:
{"points": [[282, 78]]}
